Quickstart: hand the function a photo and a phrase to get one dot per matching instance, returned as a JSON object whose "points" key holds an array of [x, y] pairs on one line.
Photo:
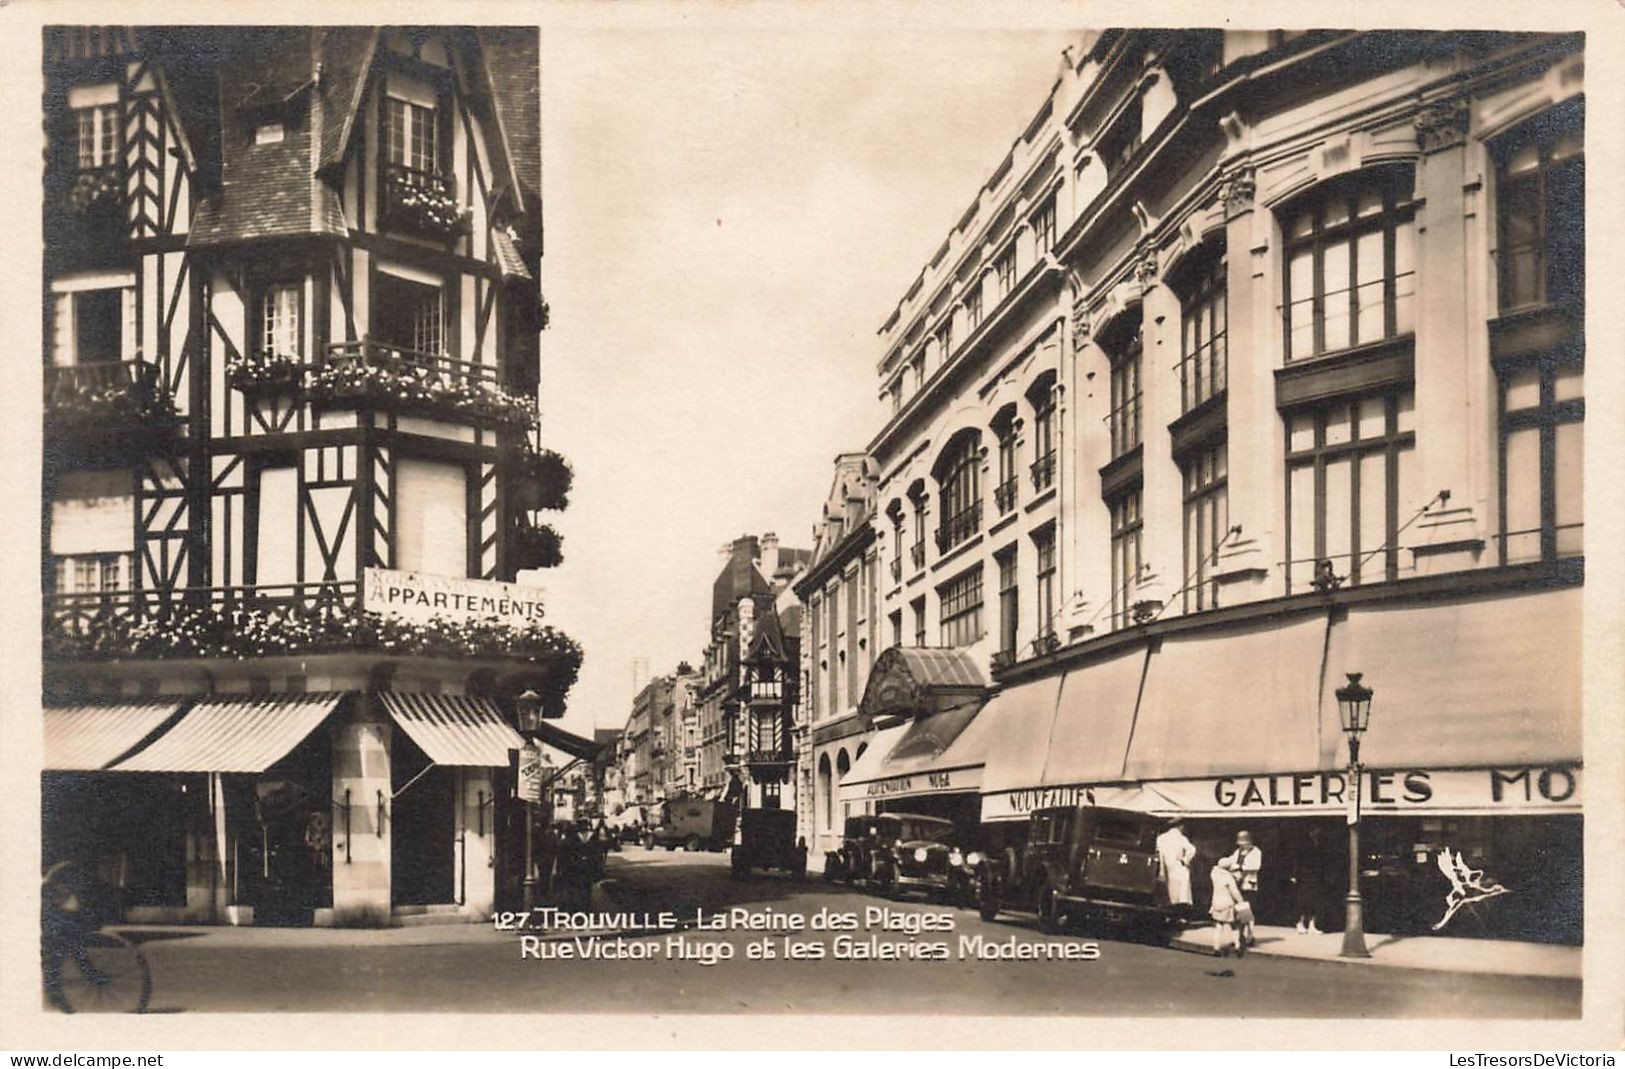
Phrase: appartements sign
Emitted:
{"points": [[420, 598]]}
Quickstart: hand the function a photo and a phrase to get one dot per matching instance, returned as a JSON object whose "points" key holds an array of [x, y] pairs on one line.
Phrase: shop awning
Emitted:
{"points": [[233, 734], [454, 730], [941, 753], [1236, 702], [1489, 682], [83, 738]]}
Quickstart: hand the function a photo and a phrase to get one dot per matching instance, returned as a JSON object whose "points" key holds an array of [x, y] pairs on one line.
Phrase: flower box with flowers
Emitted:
{"points": [[95, 194], [414, 390], [424, 203], [264, 373], [109, 407], [245, 631], [535, 545]]}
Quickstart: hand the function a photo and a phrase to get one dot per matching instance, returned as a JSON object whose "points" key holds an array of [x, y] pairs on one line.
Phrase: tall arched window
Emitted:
{"points": [[1004, 426], [958, 474], [1042, 398]]}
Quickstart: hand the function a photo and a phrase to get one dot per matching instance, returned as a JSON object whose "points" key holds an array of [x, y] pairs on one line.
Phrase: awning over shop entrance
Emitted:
{"points": [[454, 730], [936, 754], [233, 735], [85, 738], [908, 681]]}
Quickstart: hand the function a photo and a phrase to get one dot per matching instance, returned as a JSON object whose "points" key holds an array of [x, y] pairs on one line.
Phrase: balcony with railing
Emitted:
{"points": [[1004, 496], [107, 399], [1202, 377], [1043, 472], [373, 373], [423, 203], [959, 527]]}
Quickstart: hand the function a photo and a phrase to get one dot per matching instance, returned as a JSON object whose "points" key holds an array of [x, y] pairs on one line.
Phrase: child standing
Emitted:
{"points": [[1226, 908]]}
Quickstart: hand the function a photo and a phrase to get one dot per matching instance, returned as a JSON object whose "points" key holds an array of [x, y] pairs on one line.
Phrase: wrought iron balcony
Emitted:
{"points": [[1043, 470], [959, 527], [1004, 496], [916, 554]]}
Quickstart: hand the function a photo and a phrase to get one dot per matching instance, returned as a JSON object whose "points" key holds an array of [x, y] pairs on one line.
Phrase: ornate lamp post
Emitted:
{"points": [[1354, 706], [528, 707]]}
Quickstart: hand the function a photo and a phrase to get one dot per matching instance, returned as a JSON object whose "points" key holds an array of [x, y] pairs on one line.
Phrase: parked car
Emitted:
{"points": [[911, 853], [767, 840], [1080, 863], [850, 861], [693, 824], [966, 855]]}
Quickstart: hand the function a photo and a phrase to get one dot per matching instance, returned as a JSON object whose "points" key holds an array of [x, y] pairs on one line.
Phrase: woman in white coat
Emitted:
{"points": [[1176, 853]]}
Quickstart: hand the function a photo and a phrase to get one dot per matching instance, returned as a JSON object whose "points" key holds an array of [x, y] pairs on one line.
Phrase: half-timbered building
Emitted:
{"points": [[293, 465]]}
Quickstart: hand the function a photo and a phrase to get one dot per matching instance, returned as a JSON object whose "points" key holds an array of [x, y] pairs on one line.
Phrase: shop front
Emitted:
{"points": [[1471, 778]]}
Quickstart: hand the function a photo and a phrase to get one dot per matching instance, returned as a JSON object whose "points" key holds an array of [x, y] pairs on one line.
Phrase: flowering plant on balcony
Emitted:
{"points": [[264, 371], [242, 631], [424, 203], [541, 478], [415, 389], [94, 191], [535, 545], [91, 404]]}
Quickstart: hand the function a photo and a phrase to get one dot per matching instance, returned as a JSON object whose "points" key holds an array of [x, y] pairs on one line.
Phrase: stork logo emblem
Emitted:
{"points": [[1468, 886]]}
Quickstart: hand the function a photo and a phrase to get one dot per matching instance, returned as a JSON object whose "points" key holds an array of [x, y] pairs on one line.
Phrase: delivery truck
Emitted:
{"points": [[693, 824]]}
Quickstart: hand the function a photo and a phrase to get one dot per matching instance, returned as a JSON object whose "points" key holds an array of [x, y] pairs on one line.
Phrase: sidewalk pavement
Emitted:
{"points": [[1441, 953]]}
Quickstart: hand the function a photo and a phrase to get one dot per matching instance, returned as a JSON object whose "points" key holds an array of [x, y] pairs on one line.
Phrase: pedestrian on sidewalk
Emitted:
{"points": [[1226, 909], [1176, 852], [1308, 867], [1248, 864]]}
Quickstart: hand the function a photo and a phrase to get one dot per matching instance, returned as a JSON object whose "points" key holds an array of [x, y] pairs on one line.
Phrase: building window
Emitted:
{"points": [[1004, 428], [896, 544], [1126, 534], [1202, 364], [1009, 603], [945, 339], [96, 125], [92, 573], [959, 481], [269, 133], [1540, 204], [916, 552], [918, 606], [98, 325], [815, 608], [409, 314], [281, 325], [1124, 417], [1351, 272], [1042, 398], [1044, 546], [895, 393], [1350, 465], [412, 134], [896, 627], [1207, 521], [1542, 458], [973, 307], [1043, 223], [1004, 272], [961, 600], [917, 370]]}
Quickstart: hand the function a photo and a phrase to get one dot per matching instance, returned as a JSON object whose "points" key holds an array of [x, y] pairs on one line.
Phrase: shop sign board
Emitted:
{"points": [[418, 597], [1513, 789], [531, 771], [915, 783]]}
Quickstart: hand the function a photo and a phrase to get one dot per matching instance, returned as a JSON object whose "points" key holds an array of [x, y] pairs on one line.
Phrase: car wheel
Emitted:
{"points": [[691, 844], [1049, 919], [987, 904]]}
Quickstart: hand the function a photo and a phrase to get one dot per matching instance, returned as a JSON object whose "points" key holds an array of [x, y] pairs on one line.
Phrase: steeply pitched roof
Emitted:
{"points": [[511, 60], [345, 54], [768, 641]]}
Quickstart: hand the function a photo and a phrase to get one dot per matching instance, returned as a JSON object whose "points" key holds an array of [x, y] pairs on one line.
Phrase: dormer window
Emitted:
{"points": [[268, 133], [95, 117], [412, 135]]}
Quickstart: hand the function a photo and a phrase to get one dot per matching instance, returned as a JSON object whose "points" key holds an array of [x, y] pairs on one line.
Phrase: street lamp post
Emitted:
{"points": [[528, 706], [1354, 706]]}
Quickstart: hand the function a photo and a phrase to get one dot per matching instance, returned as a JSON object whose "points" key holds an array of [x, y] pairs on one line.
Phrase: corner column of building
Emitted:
{"points": [[1247, 566], [1089, 585], [1452, 390], [361, 858]]}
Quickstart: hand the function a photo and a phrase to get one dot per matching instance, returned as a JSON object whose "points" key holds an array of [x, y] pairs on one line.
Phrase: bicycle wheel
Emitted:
{"points": [[107, 974]]}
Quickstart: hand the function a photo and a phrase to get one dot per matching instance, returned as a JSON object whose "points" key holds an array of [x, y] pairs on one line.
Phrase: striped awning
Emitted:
{"points": [[84, 738], [234, 734], [453, 729]]}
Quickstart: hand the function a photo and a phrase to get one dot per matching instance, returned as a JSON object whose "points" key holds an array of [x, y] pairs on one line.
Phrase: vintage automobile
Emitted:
{"points": [[767, 840], [911, 853], [1080, 863], [850, 861], [965, 857], [693, 824]]}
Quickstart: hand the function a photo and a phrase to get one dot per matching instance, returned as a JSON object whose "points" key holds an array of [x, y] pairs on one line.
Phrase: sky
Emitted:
{"points": [[730, 215]]}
